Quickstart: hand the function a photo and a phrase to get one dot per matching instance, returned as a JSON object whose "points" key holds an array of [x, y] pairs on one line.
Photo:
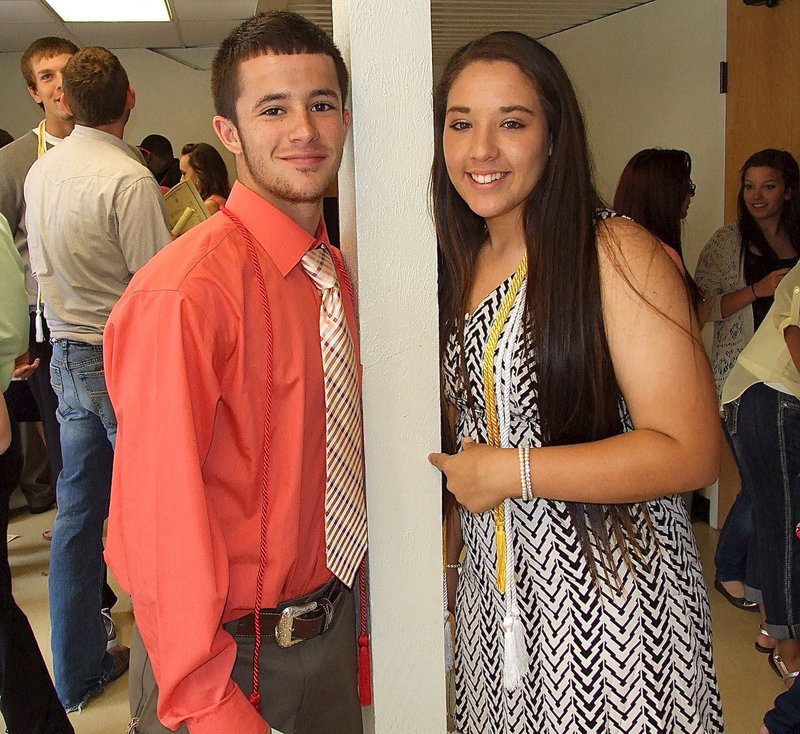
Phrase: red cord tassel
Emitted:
{"points": [[364, 671], [255, 699], [364, 661]]}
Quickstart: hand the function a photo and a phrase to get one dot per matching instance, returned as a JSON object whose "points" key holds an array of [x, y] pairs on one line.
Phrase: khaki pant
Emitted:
{"points": [[309, 688]]}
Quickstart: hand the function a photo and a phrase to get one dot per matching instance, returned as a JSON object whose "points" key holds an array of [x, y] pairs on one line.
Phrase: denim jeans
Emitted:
{"points": [[765, 427], [785, 717], [736, 558], [81, 665]]}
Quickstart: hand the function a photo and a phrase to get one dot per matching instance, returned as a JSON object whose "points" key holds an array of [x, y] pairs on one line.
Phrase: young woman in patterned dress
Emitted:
{"points": [[569, 333]]}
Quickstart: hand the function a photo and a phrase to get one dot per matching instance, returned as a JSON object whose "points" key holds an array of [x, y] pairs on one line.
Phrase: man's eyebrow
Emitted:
{"points": [[324, 93], [283, 96], [271, 97]]}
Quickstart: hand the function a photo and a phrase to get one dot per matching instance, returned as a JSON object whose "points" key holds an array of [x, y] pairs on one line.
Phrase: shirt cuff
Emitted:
{"points": [[793, 318], [233, 714]]}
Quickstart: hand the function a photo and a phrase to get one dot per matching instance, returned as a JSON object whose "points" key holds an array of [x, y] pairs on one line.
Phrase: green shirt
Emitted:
{"points": [[13, 305]]}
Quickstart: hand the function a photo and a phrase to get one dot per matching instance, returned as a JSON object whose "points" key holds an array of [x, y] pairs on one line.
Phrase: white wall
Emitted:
{"points": [[649, 77], [171, 99], [384, 216]]}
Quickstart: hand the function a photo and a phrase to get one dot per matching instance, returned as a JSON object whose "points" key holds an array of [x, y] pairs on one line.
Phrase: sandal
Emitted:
{"points": [[777, 664], [763, 648]]}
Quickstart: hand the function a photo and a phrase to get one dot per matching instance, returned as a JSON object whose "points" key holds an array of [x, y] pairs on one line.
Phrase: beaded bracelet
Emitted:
{"points": [[525, 473]]}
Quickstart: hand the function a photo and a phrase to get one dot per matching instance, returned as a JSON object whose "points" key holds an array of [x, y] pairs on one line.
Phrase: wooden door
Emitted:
{"points": [[763, 100]]}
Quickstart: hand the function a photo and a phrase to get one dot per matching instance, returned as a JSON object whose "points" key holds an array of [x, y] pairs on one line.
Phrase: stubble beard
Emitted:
{"points": [[283, 189]]}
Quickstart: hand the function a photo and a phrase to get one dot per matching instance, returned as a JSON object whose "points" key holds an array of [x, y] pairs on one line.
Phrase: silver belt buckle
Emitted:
{"points": [[285, 626]]}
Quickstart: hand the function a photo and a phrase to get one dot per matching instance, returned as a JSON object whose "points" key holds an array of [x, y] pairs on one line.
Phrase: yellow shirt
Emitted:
{"points": [[766, 357]]}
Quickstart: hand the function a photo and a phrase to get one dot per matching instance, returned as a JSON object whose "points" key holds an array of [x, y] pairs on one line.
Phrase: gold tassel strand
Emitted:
{"points": [[490, 398]]}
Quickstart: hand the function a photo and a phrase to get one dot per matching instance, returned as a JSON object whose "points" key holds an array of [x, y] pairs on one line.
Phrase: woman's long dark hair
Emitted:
{"points": [[212, 174], [652, 190], [752, 236], [578, 396]]}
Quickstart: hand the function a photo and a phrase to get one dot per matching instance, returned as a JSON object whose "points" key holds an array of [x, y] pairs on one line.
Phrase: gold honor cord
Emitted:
{"points": [[41, 149], [490, 398]]}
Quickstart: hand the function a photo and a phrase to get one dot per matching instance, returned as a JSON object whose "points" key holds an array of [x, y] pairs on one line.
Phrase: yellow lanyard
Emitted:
{"points": [[42, 147], [490, 398]]}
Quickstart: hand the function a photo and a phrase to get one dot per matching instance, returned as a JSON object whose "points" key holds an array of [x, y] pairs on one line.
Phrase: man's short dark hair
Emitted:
{"points": [[279, 32], [96, 86], [43, 48], [159, 147]]}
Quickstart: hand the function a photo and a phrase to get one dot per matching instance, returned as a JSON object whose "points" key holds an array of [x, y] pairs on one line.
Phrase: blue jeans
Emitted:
{"points": [[736, 558], [81, 665], [764, 425]]}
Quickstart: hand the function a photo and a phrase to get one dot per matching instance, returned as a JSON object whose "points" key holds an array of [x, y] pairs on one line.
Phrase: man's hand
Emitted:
{"points": [[481, 476], [23, 367]]}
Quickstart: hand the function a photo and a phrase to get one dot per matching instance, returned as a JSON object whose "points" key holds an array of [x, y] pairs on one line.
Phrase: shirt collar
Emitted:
{"points": [[91, 133], [284, 239]]}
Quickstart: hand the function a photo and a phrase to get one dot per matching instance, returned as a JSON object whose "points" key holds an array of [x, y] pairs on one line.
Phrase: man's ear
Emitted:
{"points": [[131, 100], [348, 121], [36, 98], [227, 133]]}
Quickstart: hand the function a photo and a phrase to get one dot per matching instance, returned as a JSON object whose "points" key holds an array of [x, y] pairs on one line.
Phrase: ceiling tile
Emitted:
{"points": [[126, 35], [18, 36], [24, 11], [206, 32], [213, 9]]}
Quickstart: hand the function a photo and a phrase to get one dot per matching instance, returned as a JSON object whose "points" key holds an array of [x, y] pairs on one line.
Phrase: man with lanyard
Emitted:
{"points": [[84, 256], [238, 517], [41, 66]]}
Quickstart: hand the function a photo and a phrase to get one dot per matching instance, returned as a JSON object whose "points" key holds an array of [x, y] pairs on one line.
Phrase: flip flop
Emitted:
{"points": [[780, 669]]}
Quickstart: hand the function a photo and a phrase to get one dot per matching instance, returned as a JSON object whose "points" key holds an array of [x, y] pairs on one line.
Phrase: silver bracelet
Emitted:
{"points": [[453, 565], [525, 473]]}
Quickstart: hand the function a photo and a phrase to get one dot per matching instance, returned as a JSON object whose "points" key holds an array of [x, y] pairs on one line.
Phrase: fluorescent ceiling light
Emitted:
{"points": [[110, 11]]}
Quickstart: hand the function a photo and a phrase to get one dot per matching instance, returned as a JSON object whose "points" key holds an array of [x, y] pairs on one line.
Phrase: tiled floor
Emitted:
{"points": [[747, 684]]}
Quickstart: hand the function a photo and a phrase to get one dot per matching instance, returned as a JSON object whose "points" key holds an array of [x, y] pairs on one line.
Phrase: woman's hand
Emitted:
{"points": [[481, 476], [767, 285]]}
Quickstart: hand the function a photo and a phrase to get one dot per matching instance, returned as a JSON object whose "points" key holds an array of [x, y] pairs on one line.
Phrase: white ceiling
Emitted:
{"points": [[199, 25]]}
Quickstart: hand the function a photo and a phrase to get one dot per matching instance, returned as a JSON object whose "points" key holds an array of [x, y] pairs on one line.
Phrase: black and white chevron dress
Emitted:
{"points": [[634, 659]]}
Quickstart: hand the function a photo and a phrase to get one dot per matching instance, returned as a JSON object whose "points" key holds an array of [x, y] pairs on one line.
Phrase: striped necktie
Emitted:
{"points": [[345, 504]]}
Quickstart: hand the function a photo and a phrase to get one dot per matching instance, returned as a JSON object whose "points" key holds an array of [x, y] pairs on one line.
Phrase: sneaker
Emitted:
{"points": [[122, 657], [111, 629]]}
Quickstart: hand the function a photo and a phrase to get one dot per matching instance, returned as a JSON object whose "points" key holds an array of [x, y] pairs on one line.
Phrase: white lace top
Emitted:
{"points": [[720, 271]]}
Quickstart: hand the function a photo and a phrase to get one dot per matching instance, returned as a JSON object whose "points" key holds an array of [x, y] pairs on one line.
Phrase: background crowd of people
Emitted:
{"points": [[565, 586]]}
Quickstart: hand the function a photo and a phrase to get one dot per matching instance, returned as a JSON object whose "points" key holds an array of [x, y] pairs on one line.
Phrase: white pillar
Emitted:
{"points": [[383, 190]]}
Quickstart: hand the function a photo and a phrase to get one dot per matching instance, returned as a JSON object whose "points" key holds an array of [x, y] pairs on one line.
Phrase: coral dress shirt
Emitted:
{"points": [[186, 370]]}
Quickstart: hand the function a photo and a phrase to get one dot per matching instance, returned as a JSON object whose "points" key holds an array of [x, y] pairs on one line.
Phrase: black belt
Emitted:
{"points": [[293, 623]]}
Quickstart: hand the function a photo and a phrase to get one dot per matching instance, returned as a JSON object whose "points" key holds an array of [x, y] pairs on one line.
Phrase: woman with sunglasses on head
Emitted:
{"points": [[738, 272], [655, 189], [581, 403]]}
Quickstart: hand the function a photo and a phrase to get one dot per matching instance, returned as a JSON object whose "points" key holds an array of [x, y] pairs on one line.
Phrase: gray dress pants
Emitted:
{"points": [[309, 688]]}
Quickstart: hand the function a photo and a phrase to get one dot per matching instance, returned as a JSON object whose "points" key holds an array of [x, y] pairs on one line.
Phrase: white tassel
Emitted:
{"points": [[39, 326], [515, 654], [449, 653], [38, 320]]}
